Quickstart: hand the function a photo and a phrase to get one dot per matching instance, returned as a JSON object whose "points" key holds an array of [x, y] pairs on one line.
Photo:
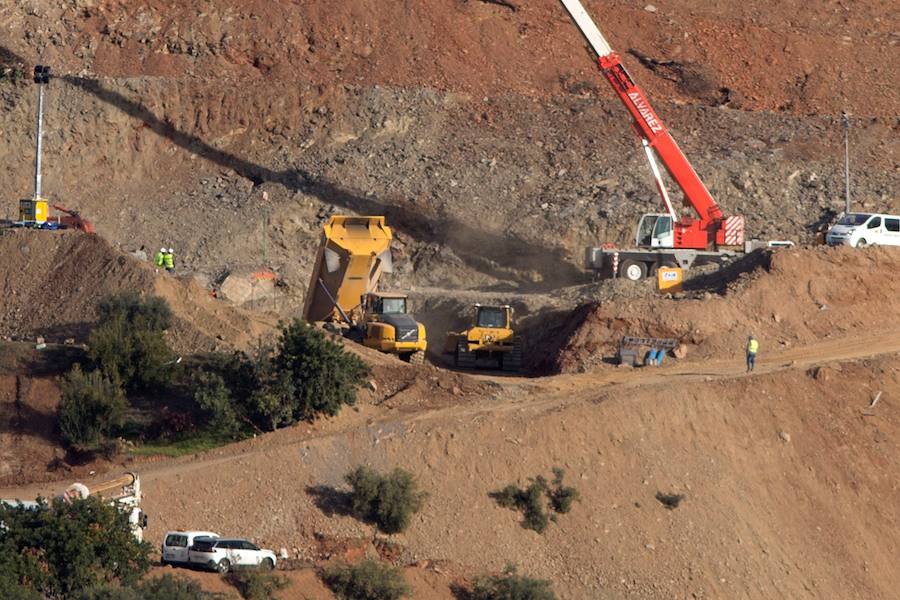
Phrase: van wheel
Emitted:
{"points": [[267, 564], [633, 270], [224, 566], [862, 243]]}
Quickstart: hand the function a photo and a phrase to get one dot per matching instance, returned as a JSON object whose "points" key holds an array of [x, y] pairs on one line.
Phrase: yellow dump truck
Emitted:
{"points": [[343, 289], [489, 343]]}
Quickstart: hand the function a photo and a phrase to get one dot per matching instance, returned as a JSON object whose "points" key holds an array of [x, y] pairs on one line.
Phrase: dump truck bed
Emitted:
{"points": [[353, 253]]}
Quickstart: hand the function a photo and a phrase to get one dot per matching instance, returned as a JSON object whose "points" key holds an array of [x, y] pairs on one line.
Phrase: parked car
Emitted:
{"points": [[174, 549], [222, 555], [865, 229]]}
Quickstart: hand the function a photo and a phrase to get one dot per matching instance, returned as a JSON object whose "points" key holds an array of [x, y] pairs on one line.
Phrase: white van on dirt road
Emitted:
{"points": [[175, 545], [865, 229]]}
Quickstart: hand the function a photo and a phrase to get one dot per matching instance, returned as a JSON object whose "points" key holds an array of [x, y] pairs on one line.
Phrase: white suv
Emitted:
{"points": [[224, 554]]}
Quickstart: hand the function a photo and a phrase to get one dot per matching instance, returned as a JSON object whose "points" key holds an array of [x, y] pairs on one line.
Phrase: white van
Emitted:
{"points": [[865, 229], [175, 545]]}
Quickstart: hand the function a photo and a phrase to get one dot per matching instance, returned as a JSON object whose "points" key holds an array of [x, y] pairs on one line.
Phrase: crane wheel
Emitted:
{"points": [[632, 270]]}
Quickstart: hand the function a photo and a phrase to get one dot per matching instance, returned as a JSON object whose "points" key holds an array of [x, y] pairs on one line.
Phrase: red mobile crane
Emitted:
{"points": [[668, 239]]}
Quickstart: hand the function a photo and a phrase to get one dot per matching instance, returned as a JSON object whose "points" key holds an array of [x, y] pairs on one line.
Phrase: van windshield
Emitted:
{"points": [[854, 219]]}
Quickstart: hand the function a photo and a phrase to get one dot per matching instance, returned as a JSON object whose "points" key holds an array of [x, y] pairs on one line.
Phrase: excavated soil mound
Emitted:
{"points": [[51, 283], [790, 298]]}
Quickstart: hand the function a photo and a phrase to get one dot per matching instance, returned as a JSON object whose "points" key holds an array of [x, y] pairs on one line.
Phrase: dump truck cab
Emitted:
{"points": [[390, 328], [490, 342]]}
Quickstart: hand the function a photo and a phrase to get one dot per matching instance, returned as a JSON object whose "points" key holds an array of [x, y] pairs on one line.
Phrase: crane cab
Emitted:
{"points": [[655, 231]]}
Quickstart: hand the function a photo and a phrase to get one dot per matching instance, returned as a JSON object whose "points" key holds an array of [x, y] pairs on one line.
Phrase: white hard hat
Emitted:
{"points": [[162, 249], [171, 250]]}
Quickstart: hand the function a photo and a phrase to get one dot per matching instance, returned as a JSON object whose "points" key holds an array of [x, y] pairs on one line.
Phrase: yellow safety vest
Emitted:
{"points": [[158, 259], [752, 346], [169, 260]]}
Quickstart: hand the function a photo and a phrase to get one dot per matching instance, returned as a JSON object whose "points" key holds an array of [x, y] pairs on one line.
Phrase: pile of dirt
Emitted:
{"points": [[791, 298], [51, 283]]}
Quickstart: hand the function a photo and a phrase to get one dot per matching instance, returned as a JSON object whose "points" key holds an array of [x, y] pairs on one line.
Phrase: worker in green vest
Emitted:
{"points": [[752, 349], [158, 258], [169, 260]]}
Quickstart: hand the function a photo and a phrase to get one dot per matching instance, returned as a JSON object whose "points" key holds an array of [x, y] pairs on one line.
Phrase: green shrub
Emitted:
{"points": [[91, 408], [108, 591], [128, 344], [271, 404], [561, 496], [147, 314], [306, 375], [217, 413], [324, 375], [532, 500], [256, 585], [529, 501], [388, 501], [63, 548], [9, 588], [166, 587], [367, 580], [511, 586]]}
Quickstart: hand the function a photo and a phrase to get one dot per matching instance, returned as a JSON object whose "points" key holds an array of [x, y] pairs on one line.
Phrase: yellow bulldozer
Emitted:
{"points": [[343, 290], [490, 342]]}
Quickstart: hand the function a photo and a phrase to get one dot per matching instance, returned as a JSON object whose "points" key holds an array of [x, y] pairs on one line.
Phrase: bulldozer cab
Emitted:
{"points": [[493, 317]]}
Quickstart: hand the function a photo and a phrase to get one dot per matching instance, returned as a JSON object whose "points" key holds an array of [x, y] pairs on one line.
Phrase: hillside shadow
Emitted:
{"points": [[717, 281], [79, 331], [25, 420], [478, 248], [54, 360]]}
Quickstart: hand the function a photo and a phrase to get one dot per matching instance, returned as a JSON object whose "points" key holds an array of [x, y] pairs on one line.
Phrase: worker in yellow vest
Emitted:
{"points": [[158, 258], [169, 260], [752, 349]]}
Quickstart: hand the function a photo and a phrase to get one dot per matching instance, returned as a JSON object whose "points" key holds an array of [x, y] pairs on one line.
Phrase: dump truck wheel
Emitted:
{"points": [[512, 360], [464, 358], [417, 358]]}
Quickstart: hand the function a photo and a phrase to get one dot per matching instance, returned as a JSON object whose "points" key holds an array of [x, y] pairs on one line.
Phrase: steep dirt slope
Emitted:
{"points": [[485, 134], [483, 48], [51, 283]]}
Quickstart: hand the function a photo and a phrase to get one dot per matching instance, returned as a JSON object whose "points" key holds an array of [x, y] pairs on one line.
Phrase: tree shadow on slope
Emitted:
{"points": [[78, 331], [331, 501], [476, 247]]}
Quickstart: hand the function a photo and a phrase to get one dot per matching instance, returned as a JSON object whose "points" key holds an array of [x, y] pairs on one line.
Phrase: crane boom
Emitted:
{"points": [[710, 228]]}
